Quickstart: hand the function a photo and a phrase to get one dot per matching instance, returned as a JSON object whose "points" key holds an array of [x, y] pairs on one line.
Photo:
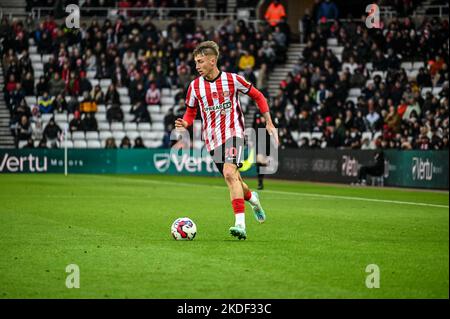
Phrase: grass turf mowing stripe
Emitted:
{"points": [[295, 193]]}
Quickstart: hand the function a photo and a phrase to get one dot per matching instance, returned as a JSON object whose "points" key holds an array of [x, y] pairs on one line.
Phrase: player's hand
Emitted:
{"points": [[273, 132], [180, 124]]}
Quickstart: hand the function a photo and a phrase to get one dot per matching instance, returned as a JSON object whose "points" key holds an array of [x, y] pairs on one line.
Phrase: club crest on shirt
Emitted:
{"points": [[216, 95]]}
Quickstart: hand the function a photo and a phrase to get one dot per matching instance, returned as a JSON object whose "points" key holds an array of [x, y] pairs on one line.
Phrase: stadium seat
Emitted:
{"points": [[94, 144], [31, 100], [165, 108], [354, 92], [317, 135], [118, 135], [46, 117], [60, 117], [77, 135], [412, 74], [117, 126], [105, 82], [101, 117], [144, 126], [21, 144], [35, 58], [127, 117], [38, 66], [303, 135], [91, 74], [101, 108], [168, 100], [437, 90], [152, 144], [126, 108], [68, 143], [295, 135], [354, 99], [153, 109], [165, 92], [63, 125], [382, 74], [105, 134], [103, 126], [419, 64], [406, 65], [124, 99], [130, 126], [425, 90], [92, 136], [158, 127], [132, 135], [94, 82], [332, 42], [46, 58], [123, 91], [158, 117], [366, 135], [79, 144]]}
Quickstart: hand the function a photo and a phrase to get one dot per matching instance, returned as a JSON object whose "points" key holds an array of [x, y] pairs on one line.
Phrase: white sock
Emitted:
{"points": [[240, 219], [253, 200]]}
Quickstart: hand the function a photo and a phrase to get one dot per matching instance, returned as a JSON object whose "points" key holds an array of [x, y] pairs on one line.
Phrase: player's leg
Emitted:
{"points": [[231, 176], [253, 199]]}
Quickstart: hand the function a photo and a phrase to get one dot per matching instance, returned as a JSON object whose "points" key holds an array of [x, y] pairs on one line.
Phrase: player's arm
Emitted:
{"points": [[261, 102], [188, 118]]}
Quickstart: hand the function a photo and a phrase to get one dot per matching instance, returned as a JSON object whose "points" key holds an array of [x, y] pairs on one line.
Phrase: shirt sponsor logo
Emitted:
{"points": [[221, 107]]}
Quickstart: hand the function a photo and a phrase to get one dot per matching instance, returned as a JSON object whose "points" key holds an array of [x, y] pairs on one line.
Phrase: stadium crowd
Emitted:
{"points": [[390, 103], [134, 54]]}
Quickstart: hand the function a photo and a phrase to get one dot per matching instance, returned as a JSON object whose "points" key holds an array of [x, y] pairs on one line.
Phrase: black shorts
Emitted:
{"points": [[232, 151]]}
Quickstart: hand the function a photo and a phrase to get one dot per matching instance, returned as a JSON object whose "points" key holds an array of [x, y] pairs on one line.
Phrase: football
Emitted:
{"points": [[184, 229]]}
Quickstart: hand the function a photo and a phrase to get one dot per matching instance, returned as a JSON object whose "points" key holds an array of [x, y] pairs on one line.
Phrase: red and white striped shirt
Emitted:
{"points": [[218, 101]]}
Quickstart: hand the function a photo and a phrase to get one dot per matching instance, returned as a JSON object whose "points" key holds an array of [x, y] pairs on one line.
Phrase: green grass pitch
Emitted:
{"points": [[316, 242]]}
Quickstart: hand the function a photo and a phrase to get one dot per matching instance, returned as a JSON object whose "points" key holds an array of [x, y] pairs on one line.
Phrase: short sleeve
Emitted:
{"points": [[242, 85], [191, 99]]}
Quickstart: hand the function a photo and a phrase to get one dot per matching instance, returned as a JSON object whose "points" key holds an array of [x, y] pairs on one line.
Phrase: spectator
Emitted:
{"points": [[125, 142], [28, 84], [97, 95], [153, 95], [23, 130], [42, 86], [246, 61], [60, 104], [140, 112], [376, 169], [88, 105], [328, 10], [139, 143], [110, 143], [112, 96], [45, 104], [89, 123], [274, 13], [52, 132], [75, 124], [114, 113], [56, 85]]}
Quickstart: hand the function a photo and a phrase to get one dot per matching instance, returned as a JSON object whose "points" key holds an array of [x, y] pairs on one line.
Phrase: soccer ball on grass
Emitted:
{"points": [[184, 229]]}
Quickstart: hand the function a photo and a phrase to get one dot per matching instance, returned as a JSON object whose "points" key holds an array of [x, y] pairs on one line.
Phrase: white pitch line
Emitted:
{"points": [[297, 193]]}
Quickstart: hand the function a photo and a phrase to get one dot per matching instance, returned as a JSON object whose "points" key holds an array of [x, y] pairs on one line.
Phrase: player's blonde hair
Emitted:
{"points": [[207, 48]]}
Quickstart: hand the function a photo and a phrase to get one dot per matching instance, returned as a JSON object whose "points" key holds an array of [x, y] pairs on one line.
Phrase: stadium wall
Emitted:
{"points": [[419, 169], [108, 161]]}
